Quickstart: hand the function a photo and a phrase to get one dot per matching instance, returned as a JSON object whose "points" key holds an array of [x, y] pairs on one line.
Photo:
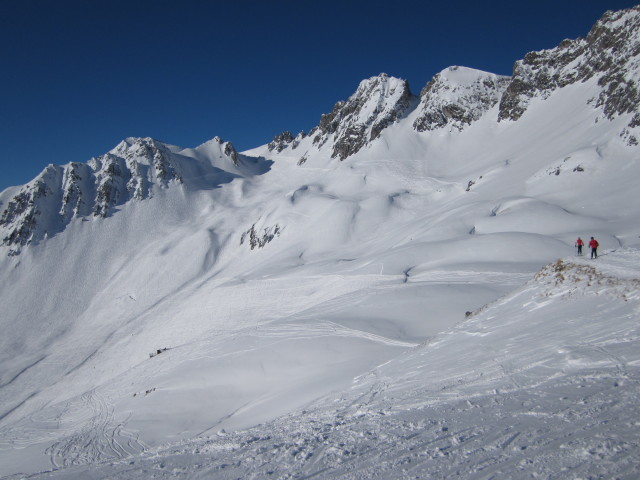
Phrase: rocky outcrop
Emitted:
{"points": [[285, 140], [47, 204], [20, 217], [456, 97], [132, 171], [280, 142], [257, 240], [377, 103], [230, 151], [609, 53], [128, 172]]}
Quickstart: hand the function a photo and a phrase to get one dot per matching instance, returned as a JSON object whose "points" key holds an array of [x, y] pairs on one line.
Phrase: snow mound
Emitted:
{"points": [[541, 381]]}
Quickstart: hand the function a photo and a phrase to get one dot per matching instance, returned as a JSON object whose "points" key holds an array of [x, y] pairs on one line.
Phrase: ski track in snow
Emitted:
{"points": [[548, 403], [394, 328], [99, 437], [86, 428]]}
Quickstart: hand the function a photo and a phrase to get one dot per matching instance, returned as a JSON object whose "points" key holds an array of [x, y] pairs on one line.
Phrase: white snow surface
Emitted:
{"points": [[156, 343], [542, 383]]}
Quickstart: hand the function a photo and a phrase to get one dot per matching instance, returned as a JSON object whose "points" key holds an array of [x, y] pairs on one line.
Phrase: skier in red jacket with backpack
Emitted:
{"points": [[593, 244]]}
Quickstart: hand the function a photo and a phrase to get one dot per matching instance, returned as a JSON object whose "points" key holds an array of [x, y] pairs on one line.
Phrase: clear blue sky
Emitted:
{"points": [[77, 76]]}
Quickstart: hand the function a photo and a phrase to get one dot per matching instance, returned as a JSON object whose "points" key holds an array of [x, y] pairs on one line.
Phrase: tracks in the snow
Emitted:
{"points": [[96, 435]]}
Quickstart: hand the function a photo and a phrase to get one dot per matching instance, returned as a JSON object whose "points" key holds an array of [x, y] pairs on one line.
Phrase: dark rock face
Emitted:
{"points": [[74, 195], [456, 97], [60, 193], [285, 140], [22, 217], [23, 212], [259, 241], [129, 171], [608, 53], [280, 142], [352, 124], [230, 151]]}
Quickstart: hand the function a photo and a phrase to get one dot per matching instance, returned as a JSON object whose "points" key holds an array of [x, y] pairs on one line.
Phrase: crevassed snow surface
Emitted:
{"points": [[342, 348]]}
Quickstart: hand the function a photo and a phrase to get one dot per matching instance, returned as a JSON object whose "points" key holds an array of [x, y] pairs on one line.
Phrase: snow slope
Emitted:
{"points": [[288, 310], [539, 384]]}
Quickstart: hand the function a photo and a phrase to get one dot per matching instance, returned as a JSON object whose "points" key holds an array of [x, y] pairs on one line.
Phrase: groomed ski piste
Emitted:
{"points": [[415, 310]]}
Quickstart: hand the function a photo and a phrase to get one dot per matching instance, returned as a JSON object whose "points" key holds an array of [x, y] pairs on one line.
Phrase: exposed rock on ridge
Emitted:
{"points": [[47, 204], [229, 150], [458, 96], [609, 52], [609, 57], [132, 171], [280, 142], [377, 103], [284, 140]]}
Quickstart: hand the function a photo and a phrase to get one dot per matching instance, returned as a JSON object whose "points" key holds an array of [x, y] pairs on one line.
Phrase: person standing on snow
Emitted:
{"points": [[579, 244], [593, 244]]}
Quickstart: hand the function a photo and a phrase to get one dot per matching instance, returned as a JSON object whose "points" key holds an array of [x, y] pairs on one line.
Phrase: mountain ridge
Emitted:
{"points": [[609, 52], [236, 295], [454, 98]]}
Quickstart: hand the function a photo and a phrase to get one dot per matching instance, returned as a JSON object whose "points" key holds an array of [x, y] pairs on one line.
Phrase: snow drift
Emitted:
{"points": [[366, 298]]}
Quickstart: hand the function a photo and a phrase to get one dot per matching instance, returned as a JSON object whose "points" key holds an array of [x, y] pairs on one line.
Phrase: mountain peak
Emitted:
{"points": [[378, 102], [218, 147], [47, 204], [609, 53], [457, 96]]}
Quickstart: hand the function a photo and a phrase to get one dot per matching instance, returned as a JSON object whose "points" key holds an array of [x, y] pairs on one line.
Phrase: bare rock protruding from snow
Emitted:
{"points": [[377, 103], [227, 148], [281, 141], [609, 53], [48, 203], [131, 171], [257, 240], [128, 171], [285, 140], [458, 96], [20, 219]]}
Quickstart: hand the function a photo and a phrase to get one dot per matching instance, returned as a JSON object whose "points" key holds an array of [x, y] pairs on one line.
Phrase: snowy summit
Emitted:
{"points": [[393, 294]]}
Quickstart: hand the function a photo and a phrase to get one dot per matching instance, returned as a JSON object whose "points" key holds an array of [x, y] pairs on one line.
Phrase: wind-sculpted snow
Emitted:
{"points": [[415, 309], [539, 383]]}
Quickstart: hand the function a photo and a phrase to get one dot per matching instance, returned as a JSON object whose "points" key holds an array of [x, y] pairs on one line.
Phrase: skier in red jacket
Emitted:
{"points": [[593, 244], [579, 244]]}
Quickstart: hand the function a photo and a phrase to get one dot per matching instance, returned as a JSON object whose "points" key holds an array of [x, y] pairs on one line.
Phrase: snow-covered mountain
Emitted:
{"points": [[457, 97], [378, 102], [608, 54], [380, 295], [47, 204]]}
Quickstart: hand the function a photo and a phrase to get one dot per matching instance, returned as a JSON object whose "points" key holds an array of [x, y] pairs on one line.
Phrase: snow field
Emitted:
{"points": [[537, 384], [341, 348]]}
